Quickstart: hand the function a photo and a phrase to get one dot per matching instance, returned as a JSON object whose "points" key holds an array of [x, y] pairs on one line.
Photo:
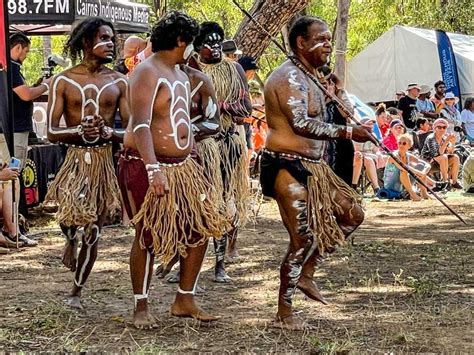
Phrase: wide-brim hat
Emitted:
{"points": [[424, 89], [413, 86], [450, 95]]}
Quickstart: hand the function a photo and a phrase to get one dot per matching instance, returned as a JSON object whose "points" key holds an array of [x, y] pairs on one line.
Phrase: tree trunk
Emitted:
{"points": [[341, 38], [272, 15]]}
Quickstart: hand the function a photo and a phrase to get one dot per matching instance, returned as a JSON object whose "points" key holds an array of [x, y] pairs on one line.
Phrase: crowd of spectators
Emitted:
{"points": [[426, 132]]}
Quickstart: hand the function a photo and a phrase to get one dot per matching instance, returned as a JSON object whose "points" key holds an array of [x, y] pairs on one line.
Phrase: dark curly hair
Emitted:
{"points": [[82, 36], [172, 26], [204, 30], [300, 28]]}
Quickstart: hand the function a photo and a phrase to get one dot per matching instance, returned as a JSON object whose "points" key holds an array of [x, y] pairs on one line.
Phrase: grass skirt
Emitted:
{"points": [[86, 186], [185, 217], [322, 204]]}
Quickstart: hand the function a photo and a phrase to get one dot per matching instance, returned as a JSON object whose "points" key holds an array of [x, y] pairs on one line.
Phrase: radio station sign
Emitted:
{"points": [[120, 13], [127, 16], [25, 12]]}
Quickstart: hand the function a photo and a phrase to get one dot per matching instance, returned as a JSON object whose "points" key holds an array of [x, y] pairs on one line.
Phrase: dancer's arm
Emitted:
{"points": [[210, 123]]}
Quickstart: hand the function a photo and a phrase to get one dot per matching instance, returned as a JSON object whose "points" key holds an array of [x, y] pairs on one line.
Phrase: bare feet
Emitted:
{"points": [[292, 322], [222, 277], [184, 306], [173, 278], [144, 320], [70, 255], [74, 302], [309, 288]]}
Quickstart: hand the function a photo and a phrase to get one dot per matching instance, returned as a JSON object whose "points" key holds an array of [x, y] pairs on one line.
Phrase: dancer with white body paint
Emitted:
{"points": [[318, 209], [205, 125], [88, 96], [163, 186], [230, 83]]}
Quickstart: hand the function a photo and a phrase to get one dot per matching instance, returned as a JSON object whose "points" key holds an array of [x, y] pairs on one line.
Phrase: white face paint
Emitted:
{"points": [[105, 43], [188, 51], [316, 46]]}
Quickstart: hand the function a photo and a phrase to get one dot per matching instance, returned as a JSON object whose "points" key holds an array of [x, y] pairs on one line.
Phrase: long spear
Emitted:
{"points": [[346, 111]]}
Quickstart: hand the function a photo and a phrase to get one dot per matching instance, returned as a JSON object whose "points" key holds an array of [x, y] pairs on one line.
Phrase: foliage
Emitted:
{"points": [[368, 19]]}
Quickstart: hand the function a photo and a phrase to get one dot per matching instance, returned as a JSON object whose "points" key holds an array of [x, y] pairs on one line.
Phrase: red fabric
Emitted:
{"points": [[390, 141]]}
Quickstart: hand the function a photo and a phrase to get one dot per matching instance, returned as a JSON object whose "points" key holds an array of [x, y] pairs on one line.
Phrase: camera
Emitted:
{"points": [[457, 128], [53, 61]]}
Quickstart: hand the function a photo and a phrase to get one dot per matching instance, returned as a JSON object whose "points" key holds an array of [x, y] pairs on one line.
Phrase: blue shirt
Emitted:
{"points": [[424, 105]]}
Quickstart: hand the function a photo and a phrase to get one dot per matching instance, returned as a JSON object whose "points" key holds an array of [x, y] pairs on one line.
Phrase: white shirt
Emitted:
{"points": [[467, 117]]}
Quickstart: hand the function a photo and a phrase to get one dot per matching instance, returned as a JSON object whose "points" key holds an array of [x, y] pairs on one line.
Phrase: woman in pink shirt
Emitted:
{"points": [[391, 139]]}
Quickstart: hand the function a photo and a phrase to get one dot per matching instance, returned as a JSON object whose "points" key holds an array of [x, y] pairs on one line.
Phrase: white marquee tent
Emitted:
{"points": [[405, 55]]}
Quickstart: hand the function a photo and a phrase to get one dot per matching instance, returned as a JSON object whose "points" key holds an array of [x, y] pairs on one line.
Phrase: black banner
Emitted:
{"points": [[25, 12], [122, 14]]}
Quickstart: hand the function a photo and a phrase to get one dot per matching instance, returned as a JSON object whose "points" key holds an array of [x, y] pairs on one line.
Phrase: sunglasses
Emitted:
{"points": [[403, 143], [441, 127]]}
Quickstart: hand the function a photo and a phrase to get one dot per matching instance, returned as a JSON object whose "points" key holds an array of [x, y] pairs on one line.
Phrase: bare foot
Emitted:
{"points": [[173, 278], [70, 255], [292, 322], [222, 277], [309, 288], [74, 302], [162, 271], [184, 306], [144, 320]]}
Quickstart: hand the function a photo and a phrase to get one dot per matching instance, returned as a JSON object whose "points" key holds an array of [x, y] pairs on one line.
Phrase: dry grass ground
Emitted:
{"points": [[405, 285]]}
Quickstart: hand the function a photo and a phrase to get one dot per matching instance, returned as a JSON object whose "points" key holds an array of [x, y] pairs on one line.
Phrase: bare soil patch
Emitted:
{"points": [[406, 284]]}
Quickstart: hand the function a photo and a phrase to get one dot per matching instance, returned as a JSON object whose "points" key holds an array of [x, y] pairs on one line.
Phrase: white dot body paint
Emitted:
{"points": [[295, 188], [84, 100]]}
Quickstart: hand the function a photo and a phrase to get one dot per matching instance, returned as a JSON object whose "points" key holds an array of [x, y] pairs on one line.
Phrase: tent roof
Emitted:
{"points": [[405, 55]]}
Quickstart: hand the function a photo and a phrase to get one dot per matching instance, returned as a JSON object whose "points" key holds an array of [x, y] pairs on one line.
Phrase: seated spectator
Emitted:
{"points": [[451, 114], [396, 178], [7, 237], [407, 105], [439, 148], [398, 95], [391, 139], [437, 98], [467, 119], [382, 121], [423, 105], [368, 155], [468, 174], [423, 129]]}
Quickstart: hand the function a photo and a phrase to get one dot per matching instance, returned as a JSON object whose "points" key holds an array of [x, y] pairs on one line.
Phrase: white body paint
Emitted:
{"points": [[292, 80], [141, 125], [89, 244], [316, 46], [106, 43], [178, 116], [84, 103]]}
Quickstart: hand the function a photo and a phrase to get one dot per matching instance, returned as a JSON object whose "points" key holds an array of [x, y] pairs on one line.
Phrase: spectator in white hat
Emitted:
{"points": [[407, 105], [467, 119], [451, 114], [424, 105]]}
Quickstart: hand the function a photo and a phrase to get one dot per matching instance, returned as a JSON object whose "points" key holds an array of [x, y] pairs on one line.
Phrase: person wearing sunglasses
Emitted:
{"points": [[452, 115], [396, 178], [439, 148], [437, 98]]}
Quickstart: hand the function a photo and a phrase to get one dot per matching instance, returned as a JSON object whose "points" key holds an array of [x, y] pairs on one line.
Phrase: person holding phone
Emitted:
{"points": [[8, 175]]}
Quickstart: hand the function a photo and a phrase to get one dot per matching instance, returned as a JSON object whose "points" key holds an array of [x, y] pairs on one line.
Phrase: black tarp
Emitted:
{"points": [[56, 16]]}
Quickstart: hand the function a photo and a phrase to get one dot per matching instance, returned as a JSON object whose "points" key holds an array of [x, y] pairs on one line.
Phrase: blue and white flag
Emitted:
{"points": [[449, 70]]}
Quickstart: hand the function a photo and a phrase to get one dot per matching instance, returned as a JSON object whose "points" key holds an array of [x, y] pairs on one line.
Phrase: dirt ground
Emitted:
{"points": [[406, 284]]}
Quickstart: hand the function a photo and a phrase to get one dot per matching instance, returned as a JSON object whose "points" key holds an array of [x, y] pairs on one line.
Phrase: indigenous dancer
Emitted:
{"points": [[231, 87], [318, 209], [86, 188], [205, 126], [163, 187]]}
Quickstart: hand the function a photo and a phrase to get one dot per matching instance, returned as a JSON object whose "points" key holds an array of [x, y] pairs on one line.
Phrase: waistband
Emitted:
{"points": [[132, 154], [86, 147], [290, 156]]}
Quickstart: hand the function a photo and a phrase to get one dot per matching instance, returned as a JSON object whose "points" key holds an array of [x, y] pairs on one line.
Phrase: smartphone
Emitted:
{"points": [[15, 163]]}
